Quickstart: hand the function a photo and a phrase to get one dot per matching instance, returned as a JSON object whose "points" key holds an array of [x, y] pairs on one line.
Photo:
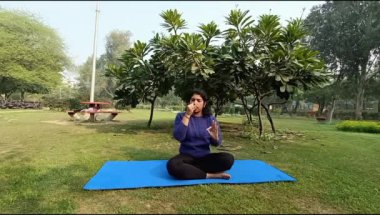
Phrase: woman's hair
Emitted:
{"points": [[206, 110]]}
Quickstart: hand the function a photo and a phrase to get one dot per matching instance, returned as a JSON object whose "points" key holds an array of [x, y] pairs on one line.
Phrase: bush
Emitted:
{"points": [[178, 108], [359, 126], [74, 103], [55, 103]]}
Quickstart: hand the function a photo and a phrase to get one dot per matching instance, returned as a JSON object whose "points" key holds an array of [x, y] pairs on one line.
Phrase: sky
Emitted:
{"points": [[74, 21]]}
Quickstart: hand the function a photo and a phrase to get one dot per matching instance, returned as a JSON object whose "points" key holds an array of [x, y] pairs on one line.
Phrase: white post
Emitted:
{"points": [[94, 55]]}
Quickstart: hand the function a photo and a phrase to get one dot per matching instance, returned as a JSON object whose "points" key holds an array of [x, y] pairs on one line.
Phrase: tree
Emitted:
{"points": [[346, 34], [256, 60], [32, 55], [320, 96], [190, 57], [117, 42], [140, 78], [374, 90], [105, 86], [84, 80], [267, 59]]}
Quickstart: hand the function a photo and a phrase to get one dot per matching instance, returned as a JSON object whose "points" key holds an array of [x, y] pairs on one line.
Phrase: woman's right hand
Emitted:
{"points": [[190, 109]]}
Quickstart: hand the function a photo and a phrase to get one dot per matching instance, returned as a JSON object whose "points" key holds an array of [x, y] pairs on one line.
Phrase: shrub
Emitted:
{"points": [[359, 126], [74, 103], [55, 103]]}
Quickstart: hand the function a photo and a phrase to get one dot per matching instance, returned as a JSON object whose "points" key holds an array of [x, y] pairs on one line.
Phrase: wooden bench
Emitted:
{"points": [[92, 113], [311, 113], [321, 118]]}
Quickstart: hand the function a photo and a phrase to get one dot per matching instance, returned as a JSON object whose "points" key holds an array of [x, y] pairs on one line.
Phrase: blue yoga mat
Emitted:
{"points": [[153, 173]]}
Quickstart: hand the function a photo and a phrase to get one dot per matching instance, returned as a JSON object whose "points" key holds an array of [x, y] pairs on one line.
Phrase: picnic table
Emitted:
{"points": [[94, 108]]}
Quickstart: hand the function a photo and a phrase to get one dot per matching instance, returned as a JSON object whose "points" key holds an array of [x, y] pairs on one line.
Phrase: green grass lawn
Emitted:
{"points": [[47, 159]]}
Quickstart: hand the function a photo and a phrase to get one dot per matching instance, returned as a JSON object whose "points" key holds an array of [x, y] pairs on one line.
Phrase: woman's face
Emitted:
{"points": [[199, 103]]}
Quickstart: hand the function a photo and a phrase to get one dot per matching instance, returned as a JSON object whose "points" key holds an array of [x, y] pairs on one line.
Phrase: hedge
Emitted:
{"points": [[359, 126]]}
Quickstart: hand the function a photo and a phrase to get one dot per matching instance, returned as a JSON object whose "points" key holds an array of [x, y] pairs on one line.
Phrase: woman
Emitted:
{"points": [[196, 129]]}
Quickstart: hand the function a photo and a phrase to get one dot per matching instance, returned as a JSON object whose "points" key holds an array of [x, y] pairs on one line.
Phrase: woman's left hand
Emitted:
{"points": [[213, 130]]}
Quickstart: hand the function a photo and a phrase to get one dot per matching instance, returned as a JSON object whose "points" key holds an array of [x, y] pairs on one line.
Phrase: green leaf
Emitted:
{"points": [[289, 88], [209, 71], [194, 67], [285, 78]]}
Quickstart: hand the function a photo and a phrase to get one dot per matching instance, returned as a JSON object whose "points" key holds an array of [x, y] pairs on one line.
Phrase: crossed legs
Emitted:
{"points": [[213, 165]]}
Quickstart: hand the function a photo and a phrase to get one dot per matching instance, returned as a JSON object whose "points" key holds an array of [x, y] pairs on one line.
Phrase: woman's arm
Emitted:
{"points": [[215, 132], [180, 128]]}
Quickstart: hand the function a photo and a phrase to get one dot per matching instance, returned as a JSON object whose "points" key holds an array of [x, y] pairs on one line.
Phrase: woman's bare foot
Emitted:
{"points": [[222, 175]]}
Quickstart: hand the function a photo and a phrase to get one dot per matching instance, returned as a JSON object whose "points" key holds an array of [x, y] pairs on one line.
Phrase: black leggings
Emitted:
{"points": [[184, 166]]}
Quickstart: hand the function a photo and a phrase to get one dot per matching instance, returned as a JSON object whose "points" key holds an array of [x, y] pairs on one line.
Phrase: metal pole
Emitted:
{"points": [[94, 55]]}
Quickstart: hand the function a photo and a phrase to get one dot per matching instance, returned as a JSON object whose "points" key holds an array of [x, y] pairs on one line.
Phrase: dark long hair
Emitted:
{"points": [[206, 111]]}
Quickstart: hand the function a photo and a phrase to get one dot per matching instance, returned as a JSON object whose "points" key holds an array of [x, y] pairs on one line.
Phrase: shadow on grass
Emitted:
{"points": [[132, 127], [232, 135], [157, 126], [26, 189], [139, 154]]}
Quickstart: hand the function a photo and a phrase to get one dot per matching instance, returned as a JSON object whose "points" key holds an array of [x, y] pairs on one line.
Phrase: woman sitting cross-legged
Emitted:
{"points": [[196, 129]]}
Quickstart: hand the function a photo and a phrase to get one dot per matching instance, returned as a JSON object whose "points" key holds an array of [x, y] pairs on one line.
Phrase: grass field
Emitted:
{"points": [[47, 159]]}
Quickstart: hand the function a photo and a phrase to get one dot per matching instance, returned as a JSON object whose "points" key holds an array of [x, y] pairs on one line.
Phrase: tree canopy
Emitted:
{"points": [[347, 35], [32, 54], [254, 59], [117, 42]]}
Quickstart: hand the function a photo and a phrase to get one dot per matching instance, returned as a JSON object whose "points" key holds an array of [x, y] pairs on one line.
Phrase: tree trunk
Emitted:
{"points": [[296, 107], [359, 103], [321, 107], [22, 95], [151, 111], [331, 111], [269, 118], [218, 108], [360, 91], [7, 96], [246, 111], [259, 117], [284, 108]]}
